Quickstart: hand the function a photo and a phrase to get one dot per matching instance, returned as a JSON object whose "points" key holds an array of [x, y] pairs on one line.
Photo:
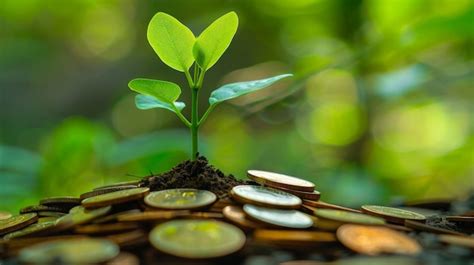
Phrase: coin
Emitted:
{"points": [[114, 217], [236, 215], [60, 200], [332, 219], [374, 240], [314, 195], [197, 238], [79, 215], [152, 216], [462, 241], [5, 215], [119, 184], [116, 197], [72, 251], [179, 199], [124, 258], [385, 260], [429, 228], [17, 222], [105, 190], [325, 205], [280, 180], [392, 214], [293, 237], [42, 208], [265, 197], [279, 217], [105, 228], [31, 230]]}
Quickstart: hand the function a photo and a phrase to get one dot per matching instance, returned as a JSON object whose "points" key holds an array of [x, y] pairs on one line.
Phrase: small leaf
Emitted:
{"points": [[234, 90], [165, 91], [172, 41], [214, 40], [147, 102]]}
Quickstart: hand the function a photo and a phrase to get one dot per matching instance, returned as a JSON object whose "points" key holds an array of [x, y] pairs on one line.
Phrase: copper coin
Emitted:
{"points": [[293, 237], [5, 215], [116, 197], [429, 228], [265, 197], [280, 180], [375, 240], [462, 241], [152, 216], [180, 199], [17, 222], [391, 214], [279, 217], [236, 215], [325, 205]]}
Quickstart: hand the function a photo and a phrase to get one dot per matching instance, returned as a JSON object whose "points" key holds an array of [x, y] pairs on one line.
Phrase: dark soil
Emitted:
{"points": [[198, 174]]}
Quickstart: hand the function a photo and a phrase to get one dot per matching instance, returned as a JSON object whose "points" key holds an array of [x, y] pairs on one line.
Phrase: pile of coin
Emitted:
{"points": [[123, 223]]}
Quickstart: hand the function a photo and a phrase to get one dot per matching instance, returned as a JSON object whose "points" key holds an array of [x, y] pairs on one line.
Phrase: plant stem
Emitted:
{"points": [[194, 122]]}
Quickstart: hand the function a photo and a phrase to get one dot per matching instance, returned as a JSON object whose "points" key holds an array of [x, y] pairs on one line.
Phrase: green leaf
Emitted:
{"points": [[214, 40], [234, 90], [145, 102], [162, 90], [172, 41]]}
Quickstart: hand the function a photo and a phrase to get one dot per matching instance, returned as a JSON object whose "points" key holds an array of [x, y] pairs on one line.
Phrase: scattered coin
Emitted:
{"points": [[391, 214], [205, 215], [114, 217], [236, 215], [374, 240], [79, 215], [116, 197], [105, 190], [17, 222], [105, 228], [50, 214], [429, 228], [293, 237], [197, 238], [180, 199], [42, 208], [265, 197], [67, 201], [72, 251], [124, 258], [119, 184], [275, 180], [31, 230], [152, 216], [314, 195], [462, 241], [332, 219], [278, 217], [325, 205], [129, 239], [5, 215]]}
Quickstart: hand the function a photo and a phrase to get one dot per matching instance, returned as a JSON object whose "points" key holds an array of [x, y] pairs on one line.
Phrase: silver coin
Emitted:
{"points": [[279, 217], [265, 197]]}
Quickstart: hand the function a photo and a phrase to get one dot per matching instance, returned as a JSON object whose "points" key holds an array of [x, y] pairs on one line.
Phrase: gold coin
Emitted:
{"points": [[180, 199], [152, 216], [42, 208], [265, 197], [197, 238], [17, 222], [5, 215], [105, 190], [72, 251], [325, 205], [119, 184], [429, 228], [116, 197], [236, 215], [293, 237], [375, 240], [114, 217], [31, 230], [462, 241], [111, 228], [60, 200], [279, 217], [79, 215], [392, 214], [280, 180], [332, 219]]}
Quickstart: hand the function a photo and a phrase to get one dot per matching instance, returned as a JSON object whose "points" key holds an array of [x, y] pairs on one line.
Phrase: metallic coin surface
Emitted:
{"points": [[292, 237], [180, 199], [152, 216], [236, 215], [197, 238], [31, 230], [392, 214], [375, 240], [79, 215], [43, 208], [72, 251], [17, 222], [348, 217], [462, 241], [116, 197], [119, 184], [60, 200], [265, 197], [325, 205], [279, 217], [5, 215], [105, 190], [280, 180], [304, 195], [112, 228]]}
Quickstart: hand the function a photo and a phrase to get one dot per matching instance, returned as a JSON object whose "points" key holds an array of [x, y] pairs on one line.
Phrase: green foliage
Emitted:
{"points": [[175, 45], [172, 41], [214, 40]]}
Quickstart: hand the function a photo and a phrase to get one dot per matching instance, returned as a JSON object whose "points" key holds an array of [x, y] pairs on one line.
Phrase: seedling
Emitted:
{"points": [[178, 48]]}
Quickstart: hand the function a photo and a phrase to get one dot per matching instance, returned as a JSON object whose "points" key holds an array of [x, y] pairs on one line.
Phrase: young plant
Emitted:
{"points": [[178, 48]]}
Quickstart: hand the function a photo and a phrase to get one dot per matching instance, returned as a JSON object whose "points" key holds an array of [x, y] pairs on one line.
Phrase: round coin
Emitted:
{"points": [[293, 238], [116, 197], [332, 219], [17, 222], [279, 217], [374, 240], [197, 238], [265, 197], [325, 205], [236, 215], [280, 180], [313, 196], [119, 184], [392, 214], [180, 199], [61, 200], [71, 251], [105, 190], [79, 215], [33, 229]]}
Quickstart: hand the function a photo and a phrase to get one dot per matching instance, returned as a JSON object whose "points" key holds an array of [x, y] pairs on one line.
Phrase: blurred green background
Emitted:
{"points": [[380, 108]]}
